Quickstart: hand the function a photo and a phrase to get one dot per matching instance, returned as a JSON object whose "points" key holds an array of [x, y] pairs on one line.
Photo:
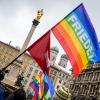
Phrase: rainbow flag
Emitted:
{"points": [[35, 86], [38, 86], [42, 87], [78, 38]]}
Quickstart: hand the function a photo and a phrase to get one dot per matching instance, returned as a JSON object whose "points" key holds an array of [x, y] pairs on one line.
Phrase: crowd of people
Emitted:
{"points": [[18, 94]]}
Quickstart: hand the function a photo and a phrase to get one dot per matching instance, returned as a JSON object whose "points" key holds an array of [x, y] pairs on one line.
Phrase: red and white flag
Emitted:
{"points": [[39, 50]]}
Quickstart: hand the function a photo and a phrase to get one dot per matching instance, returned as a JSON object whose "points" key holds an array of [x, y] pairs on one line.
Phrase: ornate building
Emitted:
{"points": [[58, 74], [30, 74], [60, 78], [26, 64], [63, 61], [53, 55], [87, 85], [7, 54], [62, 94]]}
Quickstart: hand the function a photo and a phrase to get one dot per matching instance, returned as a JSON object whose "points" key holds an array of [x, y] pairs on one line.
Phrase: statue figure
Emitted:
{"points": [[38, 17], [20, 78], [39, 14]]}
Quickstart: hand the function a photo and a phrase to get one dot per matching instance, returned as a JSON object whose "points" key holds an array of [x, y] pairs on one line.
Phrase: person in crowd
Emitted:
{"points": [[17, 95], [2, 89]]}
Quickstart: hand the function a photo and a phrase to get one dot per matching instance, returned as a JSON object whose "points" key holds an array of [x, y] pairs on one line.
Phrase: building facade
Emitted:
{"points": [[7, 54], [62, 94], [87, 85], [58, 75], [30, 68]]}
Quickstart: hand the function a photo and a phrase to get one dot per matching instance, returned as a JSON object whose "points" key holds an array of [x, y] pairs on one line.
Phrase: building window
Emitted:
{"points": [[66, 77], [31, 62], [55, 72], [1, 64], [9, 52], [63, 75], [36, 71], [51, 72], [14, 55], [0, 54], [58, 86], [59, 81], [60, 74], [25, 81], [53, 77], [31, 68], [28, 75], [33, 77], [53, 58], [64, 83], [8, 59], [3, 48], [2, 57], [64, 66], [59, 63], [6, 51]]}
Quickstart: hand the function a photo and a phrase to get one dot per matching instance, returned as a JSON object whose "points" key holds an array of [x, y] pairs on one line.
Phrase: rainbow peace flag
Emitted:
{"points": [[78, 38]]}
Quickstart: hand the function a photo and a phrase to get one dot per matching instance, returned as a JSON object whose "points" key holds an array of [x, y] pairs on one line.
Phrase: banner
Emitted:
{"points": [[39, 50], [77, 36]]}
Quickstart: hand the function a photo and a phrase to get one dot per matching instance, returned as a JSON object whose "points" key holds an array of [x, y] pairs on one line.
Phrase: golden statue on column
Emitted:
{"points": [[35, 23], [28, 38], [39, 14], [38, 17]]}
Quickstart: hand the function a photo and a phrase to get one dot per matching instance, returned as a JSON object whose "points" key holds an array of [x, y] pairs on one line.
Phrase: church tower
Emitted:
{"points": [[53, 54], [63, 60]]}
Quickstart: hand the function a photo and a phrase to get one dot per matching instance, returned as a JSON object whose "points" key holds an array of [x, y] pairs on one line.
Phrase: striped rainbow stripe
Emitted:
{"points": [[74, 34]]}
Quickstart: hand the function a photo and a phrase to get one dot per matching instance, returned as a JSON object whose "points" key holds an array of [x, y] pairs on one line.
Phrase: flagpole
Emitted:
{"points": [[24, 47]]}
